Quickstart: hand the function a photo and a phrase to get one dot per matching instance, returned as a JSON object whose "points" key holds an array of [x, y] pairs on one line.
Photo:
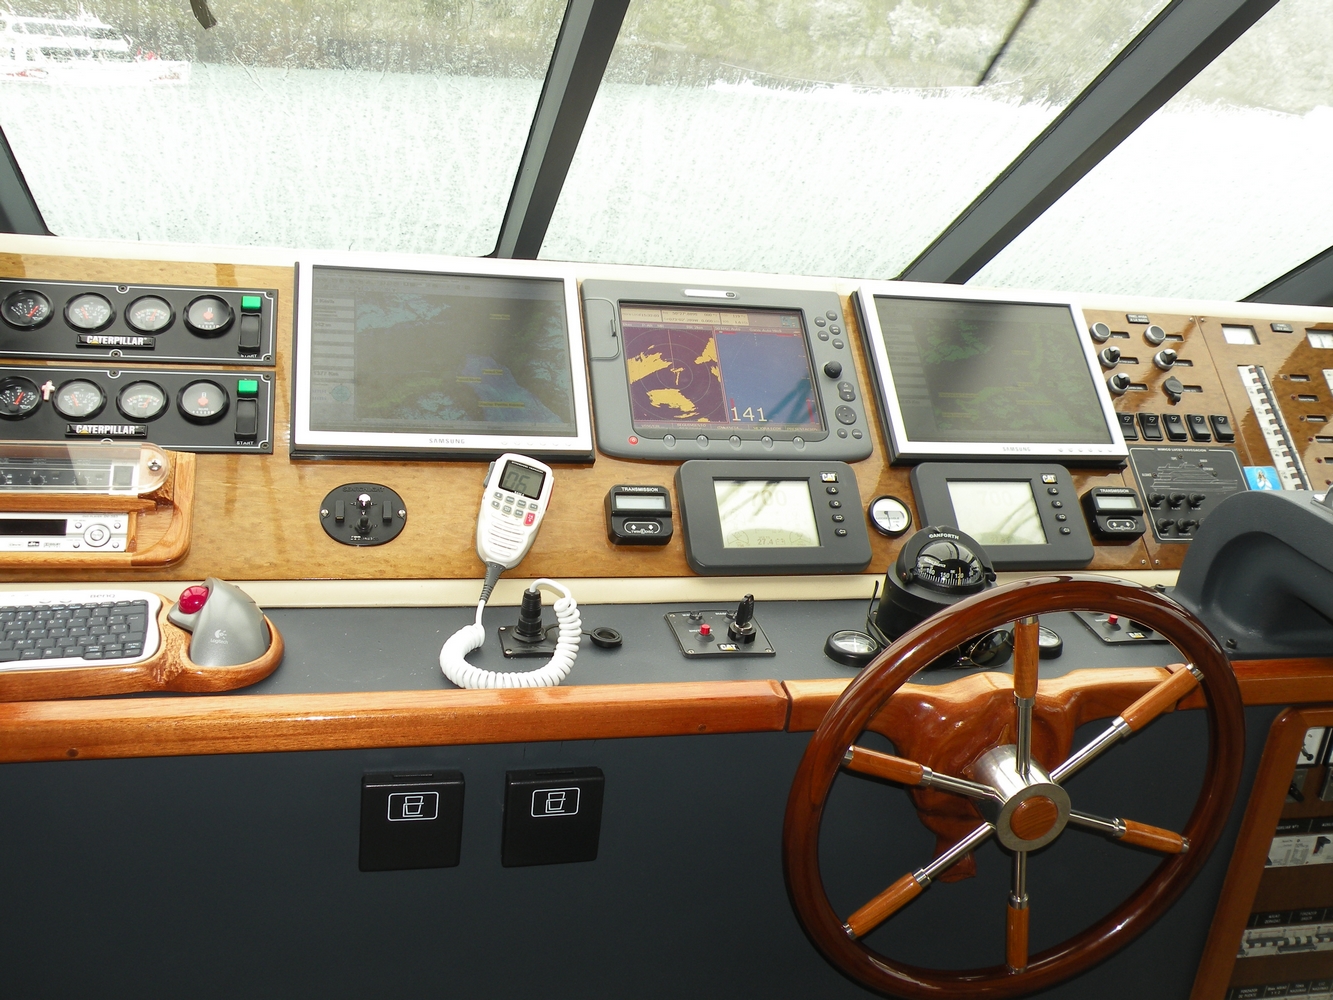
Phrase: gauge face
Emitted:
{"points": [[79, 399], [203, 402], [27, 309], [142, 401], [89, 311], [149, 314], [949, 567], [18, 398], [208, 316]]}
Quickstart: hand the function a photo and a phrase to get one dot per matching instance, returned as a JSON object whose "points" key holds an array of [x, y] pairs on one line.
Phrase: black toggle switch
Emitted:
{"points": [[339, 511], [1185, 524], [387, 514], [1175, 427], [833, 369], [1175, 500], [741, 628], [1197, 499], [1155, 499], [1222, 428], [1151, 425], [247, 418], [1165, 524], [249, 335], [1127, 426], [1198, 424]]}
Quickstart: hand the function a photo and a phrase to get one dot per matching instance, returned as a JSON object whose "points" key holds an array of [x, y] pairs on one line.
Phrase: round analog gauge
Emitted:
{"points": [[89, 311], [18, 397], [208, 316], [27, 309], [851, 648], [142, 401], [889, 516], [203, 402], [79, 399], [149, 314]]}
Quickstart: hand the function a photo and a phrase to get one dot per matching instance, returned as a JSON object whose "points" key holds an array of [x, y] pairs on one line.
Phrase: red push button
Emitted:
{"points": [[529, 517]]}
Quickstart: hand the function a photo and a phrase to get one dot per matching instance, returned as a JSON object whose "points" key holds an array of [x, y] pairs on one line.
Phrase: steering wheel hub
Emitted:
{"points": [[1029, 811]]}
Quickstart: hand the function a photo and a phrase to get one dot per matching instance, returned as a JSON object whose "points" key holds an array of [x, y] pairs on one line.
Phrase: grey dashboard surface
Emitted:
{"points": [[398, 649]]}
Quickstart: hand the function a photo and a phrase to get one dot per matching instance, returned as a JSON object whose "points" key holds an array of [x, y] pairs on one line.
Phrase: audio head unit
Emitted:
{"points": [[707, 372], [967, 374], [474, 359]]}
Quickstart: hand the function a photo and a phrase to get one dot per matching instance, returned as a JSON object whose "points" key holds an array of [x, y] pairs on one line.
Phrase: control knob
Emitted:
{"points": [[1109, 356], [1185, 524], [1155, 499], [363, 504], [1197, 499], [1118, 383], [1154, 335], [1173, 389], [1165, 524], [1175, 500], [833, 369], [1100, 332], [1164, 358]]}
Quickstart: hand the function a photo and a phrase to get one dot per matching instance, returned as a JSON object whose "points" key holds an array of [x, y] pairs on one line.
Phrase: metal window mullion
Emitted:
{"points": [[18, 209]]}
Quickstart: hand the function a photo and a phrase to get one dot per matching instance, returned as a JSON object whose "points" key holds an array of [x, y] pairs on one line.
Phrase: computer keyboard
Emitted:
{"points": [[45, 629]]}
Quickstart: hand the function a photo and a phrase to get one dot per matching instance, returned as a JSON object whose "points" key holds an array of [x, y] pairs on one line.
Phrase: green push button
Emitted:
{"points": [[251, 303], [247, 387]]}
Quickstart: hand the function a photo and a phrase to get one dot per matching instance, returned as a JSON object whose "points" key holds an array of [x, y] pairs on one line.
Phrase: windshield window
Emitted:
{"points": [[387, 125], [818, 137], [1220, 192]]}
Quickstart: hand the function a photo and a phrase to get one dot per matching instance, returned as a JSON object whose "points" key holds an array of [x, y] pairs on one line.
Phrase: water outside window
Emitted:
{"points": [[1221, 191], [833, 137], [385, 125]]}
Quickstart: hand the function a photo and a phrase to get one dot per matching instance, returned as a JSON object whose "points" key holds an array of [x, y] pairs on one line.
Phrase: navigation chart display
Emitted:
{"points": [[402, 361], [983, 376], [726, 367]]}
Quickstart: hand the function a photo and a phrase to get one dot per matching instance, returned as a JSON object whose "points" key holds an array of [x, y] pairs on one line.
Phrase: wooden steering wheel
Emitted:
{"points": [[1022, 803]]}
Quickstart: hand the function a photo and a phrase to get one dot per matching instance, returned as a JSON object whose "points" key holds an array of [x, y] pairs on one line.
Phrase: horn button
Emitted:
{"points": [[1028, 812]]}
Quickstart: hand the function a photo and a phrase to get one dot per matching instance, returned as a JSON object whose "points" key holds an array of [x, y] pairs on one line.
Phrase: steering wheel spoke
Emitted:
{"points": [[1027, 652], [907, 888], [908, 772], [1132, 719], [1016, 917], [1127, 830]]}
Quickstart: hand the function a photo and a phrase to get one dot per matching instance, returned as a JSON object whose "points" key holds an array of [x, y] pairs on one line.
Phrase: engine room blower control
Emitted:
{"points": [[720, 633], [363, 514]]}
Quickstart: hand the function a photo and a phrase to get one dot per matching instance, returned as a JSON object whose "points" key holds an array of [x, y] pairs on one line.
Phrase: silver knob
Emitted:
{"points": [[1164, 358], [1154, 335]]}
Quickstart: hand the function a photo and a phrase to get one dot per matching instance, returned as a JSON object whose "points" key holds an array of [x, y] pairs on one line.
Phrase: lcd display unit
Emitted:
{"points": [[975, 374], [470, 360], [683, 372]]}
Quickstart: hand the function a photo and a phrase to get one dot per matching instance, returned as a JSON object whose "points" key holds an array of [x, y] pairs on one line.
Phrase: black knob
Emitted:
{"points": [[1197, 499], [363, 523], [833, 369], [1185, 524], [1155, 499], [1173, 389], [1166, 524], [1176, 499], [1109, 357], [1118, 383], [742, 627], [1164, 358]]}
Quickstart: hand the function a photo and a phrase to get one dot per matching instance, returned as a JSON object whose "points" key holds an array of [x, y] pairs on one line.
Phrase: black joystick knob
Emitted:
{"points": [[1118, 383], [1176, 499], [1109, 357], [1173, 389], [1186, 524], [1155, 499], [1165, 524], [529, 627], [833, 369], [742, 627], [1197, 499]]}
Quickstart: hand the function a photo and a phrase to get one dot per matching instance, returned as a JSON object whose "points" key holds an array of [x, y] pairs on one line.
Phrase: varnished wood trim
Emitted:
{"points": [[169, 669], [170, 727], [1251, 852]]}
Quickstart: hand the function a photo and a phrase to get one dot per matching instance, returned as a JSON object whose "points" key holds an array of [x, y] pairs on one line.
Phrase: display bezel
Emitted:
{"points": [[307, 442], [701, 522], [906, 450], [845, 434]]}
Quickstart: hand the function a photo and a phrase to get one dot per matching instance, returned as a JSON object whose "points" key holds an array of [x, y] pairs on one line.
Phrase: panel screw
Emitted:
{"points": [[401, 512], [324, 512]]}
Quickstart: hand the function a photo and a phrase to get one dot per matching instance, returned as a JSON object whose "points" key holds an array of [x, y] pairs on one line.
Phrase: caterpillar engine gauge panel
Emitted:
{"points": [[185, 410], [86, 320]]}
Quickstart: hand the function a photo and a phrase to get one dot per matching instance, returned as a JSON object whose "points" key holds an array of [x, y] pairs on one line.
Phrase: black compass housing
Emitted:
{"points": [[937, 568]]}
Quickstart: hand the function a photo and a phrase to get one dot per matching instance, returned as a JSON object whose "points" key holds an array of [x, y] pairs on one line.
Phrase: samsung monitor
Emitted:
{"points": [[468, 360], [972, 374]]}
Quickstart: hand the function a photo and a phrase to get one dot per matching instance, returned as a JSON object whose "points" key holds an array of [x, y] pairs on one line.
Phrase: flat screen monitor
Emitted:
{"points": [[682, 372], [980, 375], [470, 360]]}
